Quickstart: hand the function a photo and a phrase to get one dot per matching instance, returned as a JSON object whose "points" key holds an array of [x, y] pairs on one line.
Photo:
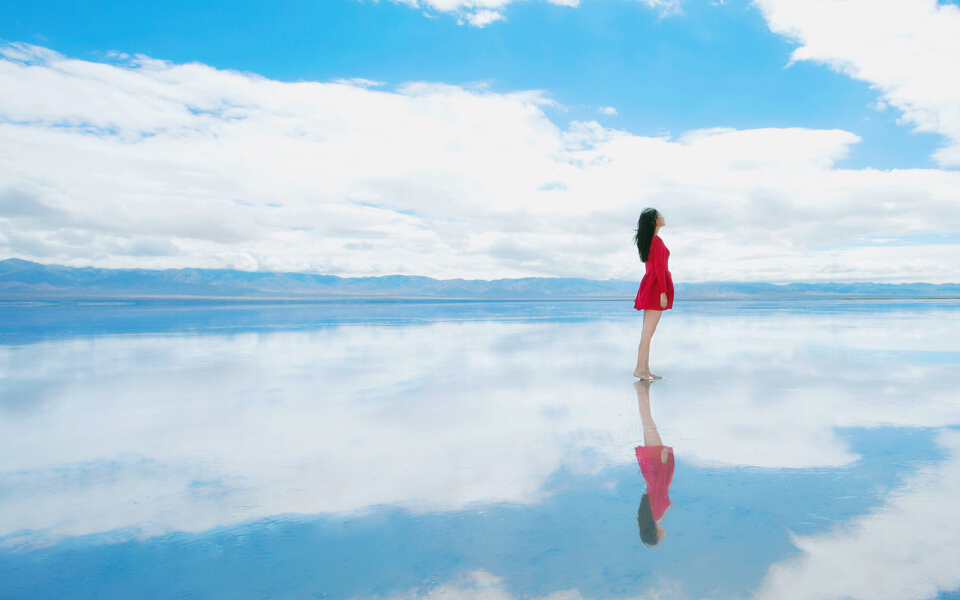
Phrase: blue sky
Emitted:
{"points": [[716, 65], [871, 113]]}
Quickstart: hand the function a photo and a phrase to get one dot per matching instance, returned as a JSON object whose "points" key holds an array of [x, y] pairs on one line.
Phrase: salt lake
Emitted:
{"points": [[160, 449]]}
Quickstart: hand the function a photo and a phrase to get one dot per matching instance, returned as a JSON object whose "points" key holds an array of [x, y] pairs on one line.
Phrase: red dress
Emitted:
{"points": [[656, 280], [658, 476]]}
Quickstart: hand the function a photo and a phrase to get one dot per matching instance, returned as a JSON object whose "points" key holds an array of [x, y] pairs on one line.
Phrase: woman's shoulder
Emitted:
{"points": [[656, 239]]}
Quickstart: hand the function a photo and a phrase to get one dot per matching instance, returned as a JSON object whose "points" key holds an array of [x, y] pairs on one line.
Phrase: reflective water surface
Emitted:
{"points": [[479, 450]]}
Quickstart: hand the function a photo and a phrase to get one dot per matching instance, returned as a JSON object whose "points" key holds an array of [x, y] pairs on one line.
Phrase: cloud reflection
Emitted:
{"points": [[157, 433], [909, 549], [481, 585]]}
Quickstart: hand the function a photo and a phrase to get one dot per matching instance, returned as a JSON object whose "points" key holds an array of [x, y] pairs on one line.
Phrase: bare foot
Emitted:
{"points": [[644, 375], [654, 376]]}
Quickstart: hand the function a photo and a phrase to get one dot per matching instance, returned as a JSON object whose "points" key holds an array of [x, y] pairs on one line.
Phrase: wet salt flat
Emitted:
{"points": [[478, 450]]}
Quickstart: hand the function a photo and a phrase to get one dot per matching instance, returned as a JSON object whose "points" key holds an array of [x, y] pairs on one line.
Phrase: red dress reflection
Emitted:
{"points": [[658, 476]]}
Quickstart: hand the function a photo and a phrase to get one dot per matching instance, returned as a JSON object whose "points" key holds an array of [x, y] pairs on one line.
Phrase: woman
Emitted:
{"points": [[656, 466], [656, 289]]}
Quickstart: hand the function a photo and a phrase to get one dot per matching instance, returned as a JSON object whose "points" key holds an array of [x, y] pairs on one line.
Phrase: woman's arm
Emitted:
{"points": [[660, 267], [662, 472]]}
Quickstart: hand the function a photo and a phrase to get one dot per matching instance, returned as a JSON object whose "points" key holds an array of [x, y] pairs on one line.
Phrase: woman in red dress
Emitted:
{"points": [[656, 466], [656, 289]]}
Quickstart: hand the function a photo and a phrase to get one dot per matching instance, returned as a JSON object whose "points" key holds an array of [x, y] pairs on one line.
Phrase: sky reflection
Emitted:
{"points": [[790, 430]]}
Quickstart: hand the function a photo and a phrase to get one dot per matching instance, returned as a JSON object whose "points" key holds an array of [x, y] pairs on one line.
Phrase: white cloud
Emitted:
{"points": [[907, 49], [608, 110], [151, 164], [483, 12], [484, 17], [361, 82], [478, 13], [666, 8], [908, 549]]}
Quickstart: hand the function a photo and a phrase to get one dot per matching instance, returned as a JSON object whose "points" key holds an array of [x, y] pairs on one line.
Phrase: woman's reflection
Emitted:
{"points": [[656, 464]]}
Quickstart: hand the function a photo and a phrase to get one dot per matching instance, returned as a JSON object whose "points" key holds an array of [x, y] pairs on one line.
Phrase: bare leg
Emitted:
{"points": [[650, 320], [651, 437]]}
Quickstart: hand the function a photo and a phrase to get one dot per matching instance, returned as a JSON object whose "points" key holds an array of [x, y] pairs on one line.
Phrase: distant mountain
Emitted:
{"points": [[20, 278], [25, 279]]}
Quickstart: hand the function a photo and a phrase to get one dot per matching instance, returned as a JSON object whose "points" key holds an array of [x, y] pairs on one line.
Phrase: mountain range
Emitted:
{"points": [[25, 279]]}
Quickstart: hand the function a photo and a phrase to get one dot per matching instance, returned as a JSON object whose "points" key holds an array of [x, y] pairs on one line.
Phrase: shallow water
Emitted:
{"points": [[477, 450]]}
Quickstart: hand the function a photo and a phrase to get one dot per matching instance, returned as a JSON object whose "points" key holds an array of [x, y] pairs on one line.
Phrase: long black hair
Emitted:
{"points": [[645, 523], [646, 225]]}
